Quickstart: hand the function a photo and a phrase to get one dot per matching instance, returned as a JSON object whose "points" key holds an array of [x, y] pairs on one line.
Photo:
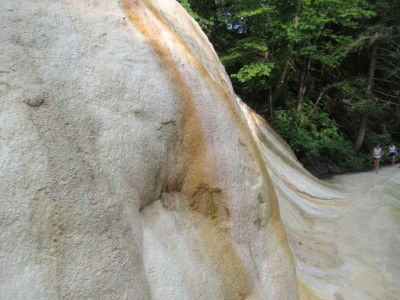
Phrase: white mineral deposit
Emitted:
{"points": [[130, 170]]}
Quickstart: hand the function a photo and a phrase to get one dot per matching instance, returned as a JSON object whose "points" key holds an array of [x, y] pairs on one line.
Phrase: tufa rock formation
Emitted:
{"points": [[130, 170]]}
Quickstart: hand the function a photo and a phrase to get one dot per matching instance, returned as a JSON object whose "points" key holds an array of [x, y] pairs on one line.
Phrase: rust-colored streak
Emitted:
{"points": [[138, 13], [198, 65], [146, 20], [197, 184], [269, 195]]}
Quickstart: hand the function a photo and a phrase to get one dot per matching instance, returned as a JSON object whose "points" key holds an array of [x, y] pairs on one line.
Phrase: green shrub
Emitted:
{"points": [[373, 138], [315, 137], [340, 152]]}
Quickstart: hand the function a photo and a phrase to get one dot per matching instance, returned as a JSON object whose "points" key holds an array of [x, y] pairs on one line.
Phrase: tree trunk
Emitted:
{"points": [[361, 132], [303, 83], [363, 125], [282, 77]]}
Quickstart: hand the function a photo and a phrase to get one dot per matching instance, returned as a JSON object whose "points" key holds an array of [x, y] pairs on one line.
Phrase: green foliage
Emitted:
{"points": [[313, 57], [252, 70], [374, 139], [351, 95], [315, 138], [200, 12], [245, 51]]}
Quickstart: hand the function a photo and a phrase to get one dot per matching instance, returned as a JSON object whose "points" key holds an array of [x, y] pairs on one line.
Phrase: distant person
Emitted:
{"points": [[377, 153], [392, 153]]}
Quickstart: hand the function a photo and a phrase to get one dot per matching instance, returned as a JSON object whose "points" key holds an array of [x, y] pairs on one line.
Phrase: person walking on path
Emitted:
{"points": [[392, 153], [377, 153]]}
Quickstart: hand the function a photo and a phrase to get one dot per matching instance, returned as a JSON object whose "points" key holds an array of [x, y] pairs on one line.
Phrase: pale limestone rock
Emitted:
{"points": [[129, 170]]}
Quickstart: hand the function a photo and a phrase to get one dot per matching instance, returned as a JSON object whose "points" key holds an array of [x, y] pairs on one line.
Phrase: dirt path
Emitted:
{"points": [[368, 234]]}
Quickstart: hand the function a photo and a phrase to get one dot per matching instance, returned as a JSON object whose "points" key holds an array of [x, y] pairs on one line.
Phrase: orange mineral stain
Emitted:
{"points": [[197, 179]]}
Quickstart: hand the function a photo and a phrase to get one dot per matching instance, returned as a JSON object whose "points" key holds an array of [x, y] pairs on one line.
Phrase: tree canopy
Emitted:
{"points": [[325, 73]]}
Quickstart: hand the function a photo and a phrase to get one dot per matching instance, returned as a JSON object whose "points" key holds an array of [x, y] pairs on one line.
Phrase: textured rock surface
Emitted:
{"points": [[129, 170]]}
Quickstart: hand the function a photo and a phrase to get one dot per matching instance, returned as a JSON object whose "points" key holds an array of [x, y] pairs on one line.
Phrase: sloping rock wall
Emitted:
{"points": [[130, 170]]}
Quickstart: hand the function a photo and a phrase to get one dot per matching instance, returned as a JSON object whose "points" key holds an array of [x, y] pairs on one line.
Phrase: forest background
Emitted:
{"points": [[324, 73]]}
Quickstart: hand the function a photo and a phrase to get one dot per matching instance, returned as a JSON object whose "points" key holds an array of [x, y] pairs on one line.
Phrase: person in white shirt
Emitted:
{"points": [[377, 153], [392, 153]]}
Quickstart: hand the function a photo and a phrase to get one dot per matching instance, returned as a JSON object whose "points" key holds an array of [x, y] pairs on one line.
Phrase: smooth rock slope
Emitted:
{"points": [[130, 170]]}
